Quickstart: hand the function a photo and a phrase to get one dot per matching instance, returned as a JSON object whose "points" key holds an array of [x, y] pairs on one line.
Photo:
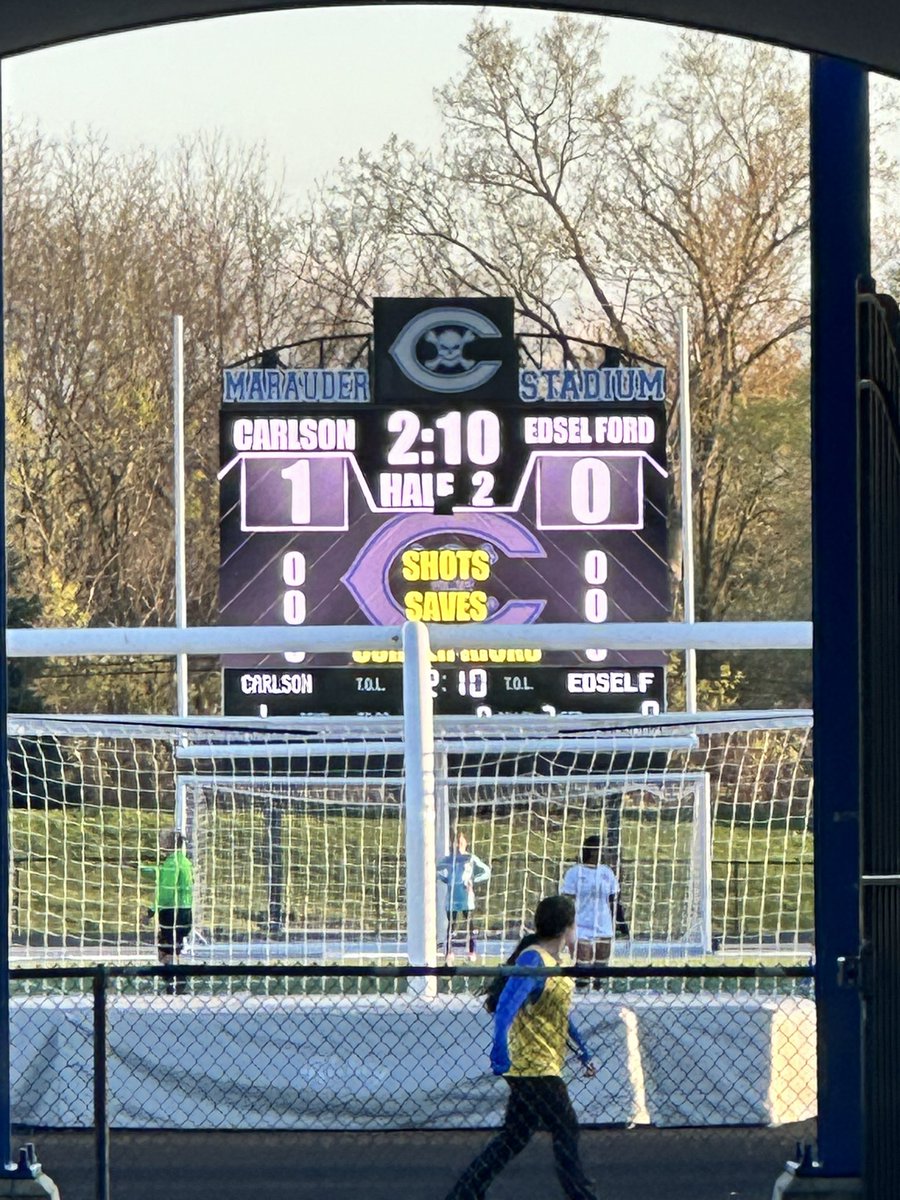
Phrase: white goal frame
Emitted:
{"points": [[418, 900]]}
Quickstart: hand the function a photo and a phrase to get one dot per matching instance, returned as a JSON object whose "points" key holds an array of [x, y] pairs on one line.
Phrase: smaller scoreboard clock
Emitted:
{"points": [[454, 488]]}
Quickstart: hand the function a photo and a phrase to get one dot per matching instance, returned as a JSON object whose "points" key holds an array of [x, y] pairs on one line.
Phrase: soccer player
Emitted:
{"points": [[460, 871], [595, 890], [174, 901], [532, 1028]]}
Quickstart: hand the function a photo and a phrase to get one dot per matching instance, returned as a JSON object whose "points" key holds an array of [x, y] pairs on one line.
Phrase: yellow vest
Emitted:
{"points": [[537, 1036]]}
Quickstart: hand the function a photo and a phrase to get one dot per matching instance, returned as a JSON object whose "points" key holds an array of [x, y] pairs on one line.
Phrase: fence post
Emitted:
{"points": [[418, 771], [839, 239], [101, 1086]]}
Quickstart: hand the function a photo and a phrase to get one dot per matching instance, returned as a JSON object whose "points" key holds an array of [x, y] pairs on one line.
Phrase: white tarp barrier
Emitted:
{"points": [[344, 1063]]}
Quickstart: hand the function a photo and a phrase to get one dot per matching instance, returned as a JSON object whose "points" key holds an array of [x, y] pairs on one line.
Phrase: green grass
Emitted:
{"points": [[76, 872]]}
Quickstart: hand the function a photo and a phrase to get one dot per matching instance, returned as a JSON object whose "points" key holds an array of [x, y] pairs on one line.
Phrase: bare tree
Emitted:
{"points": [[716, 182], [100, 252], [600, 218]]}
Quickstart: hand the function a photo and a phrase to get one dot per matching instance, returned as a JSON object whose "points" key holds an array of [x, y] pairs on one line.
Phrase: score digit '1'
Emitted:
{"points": [[472, 683]]}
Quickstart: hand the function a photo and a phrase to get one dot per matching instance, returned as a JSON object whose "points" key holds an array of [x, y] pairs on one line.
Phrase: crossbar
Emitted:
{"points": [[600, 745], [275, 639]]}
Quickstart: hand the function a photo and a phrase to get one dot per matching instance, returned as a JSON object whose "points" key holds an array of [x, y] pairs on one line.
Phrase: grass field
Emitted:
{"points": [[76, 873]]}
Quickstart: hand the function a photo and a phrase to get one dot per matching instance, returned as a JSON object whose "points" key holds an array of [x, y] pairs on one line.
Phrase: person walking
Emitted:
{"points": [[532, 1029]]}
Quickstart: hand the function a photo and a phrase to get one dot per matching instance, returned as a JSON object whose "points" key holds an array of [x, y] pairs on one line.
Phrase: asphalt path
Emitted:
{"points": [[737, 1163]]}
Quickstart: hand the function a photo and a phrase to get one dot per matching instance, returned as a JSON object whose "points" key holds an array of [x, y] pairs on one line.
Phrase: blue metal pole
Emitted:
{"points": [[101, 1084], [839, 184]]}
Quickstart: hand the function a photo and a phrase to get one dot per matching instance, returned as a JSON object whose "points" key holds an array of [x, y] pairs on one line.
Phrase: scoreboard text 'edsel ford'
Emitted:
{"points": [[242, 385]]}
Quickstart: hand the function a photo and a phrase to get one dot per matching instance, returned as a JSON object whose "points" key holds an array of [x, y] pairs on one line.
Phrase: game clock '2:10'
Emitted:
{"points": [[463, 439]]}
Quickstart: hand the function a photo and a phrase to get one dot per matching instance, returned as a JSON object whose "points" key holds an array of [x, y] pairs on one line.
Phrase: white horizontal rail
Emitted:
{"points": [[598, 745], [642, 781], [283, 783], [649, 635], [266, 750], [216, 639], [279, 639], [388, 730], [601, 743]]}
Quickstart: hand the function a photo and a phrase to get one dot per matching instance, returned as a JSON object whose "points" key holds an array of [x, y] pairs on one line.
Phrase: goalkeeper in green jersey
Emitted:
{"points": [[173, 902]]}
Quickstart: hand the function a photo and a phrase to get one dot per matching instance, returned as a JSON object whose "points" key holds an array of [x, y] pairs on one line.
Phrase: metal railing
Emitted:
{"points": [[879, 594]]}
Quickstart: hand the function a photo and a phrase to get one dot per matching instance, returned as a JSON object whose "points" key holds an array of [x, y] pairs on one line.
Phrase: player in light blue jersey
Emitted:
{"points": [[460, 871]]}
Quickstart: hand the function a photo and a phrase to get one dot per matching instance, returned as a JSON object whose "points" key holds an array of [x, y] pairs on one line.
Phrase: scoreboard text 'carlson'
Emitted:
{"points": [[450, 487]]}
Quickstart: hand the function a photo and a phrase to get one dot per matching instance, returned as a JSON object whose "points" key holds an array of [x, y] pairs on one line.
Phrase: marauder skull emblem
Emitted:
{"points": [[449, 344], [444, 333]]}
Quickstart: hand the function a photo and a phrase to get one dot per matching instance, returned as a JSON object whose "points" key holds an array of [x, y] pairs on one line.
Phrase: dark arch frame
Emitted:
{"points": [[816, 26], [844, 48]]}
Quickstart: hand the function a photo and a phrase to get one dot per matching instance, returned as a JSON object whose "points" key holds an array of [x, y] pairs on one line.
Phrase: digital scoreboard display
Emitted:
{"points": [[449, 487]]}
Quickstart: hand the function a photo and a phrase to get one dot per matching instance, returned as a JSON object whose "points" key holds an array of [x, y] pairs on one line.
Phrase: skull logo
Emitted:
{"points": [[450, 343], [430, 349]]}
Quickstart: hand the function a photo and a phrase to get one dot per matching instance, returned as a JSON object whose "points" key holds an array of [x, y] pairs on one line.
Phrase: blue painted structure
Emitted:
{"points": [[839, 182]]}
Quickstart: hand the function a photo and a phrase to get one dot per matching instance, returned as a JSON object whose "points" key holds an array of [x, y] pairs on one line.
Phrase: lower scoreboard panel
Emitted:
{"points": [[456, 690]]}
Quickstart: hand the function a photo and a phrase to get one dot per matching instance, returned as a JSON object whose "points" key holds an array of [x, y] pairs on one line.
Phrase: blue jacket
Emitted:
{"points": [[517, 991], [461, 872]]}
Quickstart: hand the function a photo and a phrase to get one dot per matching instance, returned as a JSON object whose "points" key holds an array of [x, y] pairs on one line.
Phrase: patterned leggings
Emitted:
{"points": [[535, 1102]]}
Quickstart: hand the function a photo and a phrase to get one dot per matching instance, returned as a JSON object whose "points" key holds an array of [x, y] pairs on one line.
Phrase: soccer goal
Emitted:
{"points": [[318, 858], [706, 824], [299, 865], [301, 846]]}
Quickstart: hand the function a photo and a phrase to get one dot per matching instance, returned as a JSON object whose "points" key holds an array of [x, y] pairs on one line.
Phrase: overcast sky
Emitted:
{"points": [[314, 84]]}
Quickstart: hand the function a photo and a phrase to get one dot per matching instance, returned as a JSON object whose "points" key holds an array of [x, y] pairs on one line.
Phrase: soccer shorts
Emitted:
{"points": [[594, 950]]}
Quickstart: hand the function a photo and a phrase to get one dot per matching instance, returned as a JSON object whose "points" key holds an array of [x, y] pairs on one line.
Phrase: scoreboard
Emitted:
{"points": [[450, 487]]}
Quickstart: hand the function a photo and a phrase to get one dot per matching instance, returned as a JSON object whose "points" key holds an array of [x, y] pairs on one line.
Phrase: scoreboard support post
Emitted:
{"points": [[181, 660], [418, 764], [687, 505]]}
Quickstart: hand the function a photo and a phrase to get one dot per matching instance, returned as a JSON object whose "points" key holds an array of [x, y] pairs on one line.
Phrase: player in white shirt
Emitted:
{"points": [[595, 889]]}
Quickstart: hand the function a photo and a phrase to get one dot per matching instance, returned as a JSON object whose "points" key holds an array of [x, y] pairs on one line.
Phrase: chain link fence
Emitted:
{"points": [[316, 1081]]}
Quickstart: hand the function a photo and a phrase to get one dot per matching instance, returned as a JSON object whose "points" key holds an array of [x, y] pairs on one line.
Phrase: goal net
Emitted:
{"points": [[653, 834], [706, 824], [297, 835], [297, 867]]}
